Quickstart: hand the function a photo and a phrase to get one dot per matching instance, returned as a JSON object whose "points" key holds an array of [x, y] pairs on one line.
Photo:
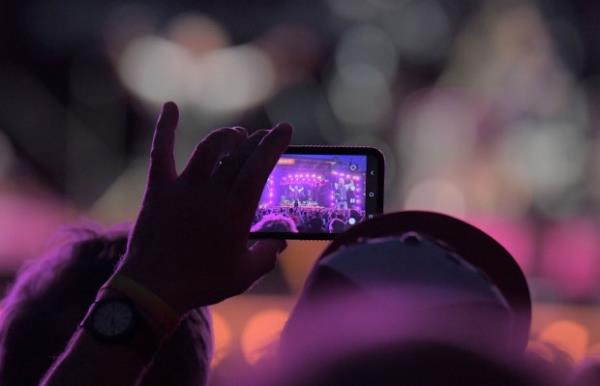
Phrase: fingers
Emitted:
{"points": [[230, 167], [262, 258], [162, 161], [210, 150], [253, 176], [241, 130]]}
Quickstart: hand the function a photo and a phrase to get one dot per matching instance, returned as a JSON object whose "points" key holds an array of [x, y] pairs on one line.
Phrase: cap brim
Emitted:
{"points": [[471, 243]]}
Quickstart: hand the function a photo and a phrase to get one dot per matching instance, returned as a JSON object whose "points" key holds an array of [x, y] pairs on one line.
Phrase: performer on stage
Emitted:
{"points": [[343, 192], [296, 192]]}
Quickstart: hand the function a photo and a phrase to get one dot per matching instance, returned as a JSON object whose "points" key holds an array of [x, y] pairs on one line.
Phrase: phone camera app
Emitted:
{"points": [[313, 193]]}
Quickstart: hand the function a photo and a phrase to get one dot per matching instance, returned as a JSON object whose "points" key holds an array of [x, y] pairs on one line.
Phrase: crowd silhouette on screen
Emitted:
{"points": [[305, 220]]}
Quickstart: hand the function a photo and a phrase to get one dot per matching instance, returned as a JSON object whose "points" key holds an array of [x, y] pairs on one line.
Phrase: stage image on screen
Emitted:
{"points": [[313, 193]]}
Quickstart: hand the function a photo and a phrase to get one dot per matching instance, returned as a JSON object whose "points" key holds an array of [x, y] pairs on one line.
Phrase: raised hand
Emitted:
{"points": [[189, 243]]}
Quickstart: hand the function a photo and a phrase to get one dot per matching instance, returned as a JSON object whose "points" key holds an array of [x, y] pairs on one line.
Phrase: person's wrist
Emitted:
{"points": [[144, 335], [156, 328], [150, 284]]}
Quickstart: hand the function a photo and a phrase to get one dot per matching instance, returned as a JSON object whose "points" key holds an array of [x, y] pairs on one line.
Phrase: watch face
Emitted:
{"points": [[113, 318]]}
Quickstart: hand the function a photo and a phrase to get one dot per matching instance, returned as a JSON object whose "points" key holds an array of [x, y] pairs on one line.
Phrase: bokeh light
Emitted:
{"points": [[223, 337], [549, 158], [436, 195], [155, 69], [360, 96], [261, 334], [369, 45], [420, 29], [569, 336], [570, 253], [231, 80]]}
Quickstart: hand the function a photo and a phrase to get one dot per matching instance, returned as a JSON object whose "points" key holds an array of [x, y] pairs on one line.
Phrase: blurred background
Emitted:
{"points": [[486, 110]]}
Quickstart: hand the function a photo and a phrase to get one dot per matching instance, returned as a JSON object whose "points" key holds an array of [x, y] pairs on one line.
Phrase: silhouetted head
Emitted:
{"points": [[315, 224], [50, 297], [444, 274], [336, 226], [410, 298], [275, 223]]}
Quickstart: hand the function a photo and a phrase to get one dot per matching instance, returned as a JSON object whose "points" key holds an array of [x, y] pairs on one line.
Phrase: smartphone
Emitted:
{"points": [[316, 192]]}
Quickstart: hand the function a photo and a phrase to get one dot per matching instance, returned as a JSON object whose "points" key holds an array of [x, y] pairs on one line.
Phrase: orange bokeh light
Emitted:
{"points": [[261, 333], [223, 338], [568, 336]]}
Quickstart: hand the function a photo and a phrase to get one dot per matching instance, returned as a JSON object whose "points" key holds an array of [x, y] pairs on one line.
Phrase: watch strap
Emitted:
{"points": [[152, 305]]}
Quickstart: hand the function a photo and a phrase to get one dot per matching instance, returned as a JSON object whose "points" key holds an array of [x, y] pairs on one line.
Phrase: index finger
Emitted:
{"points": [[162, 161], [251, 180]]}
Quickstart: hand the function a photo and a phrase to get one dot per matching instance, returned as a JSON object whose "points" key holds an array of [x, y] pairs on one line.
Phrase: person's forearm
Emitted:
{"points": [[90, 361], [87, 361]]}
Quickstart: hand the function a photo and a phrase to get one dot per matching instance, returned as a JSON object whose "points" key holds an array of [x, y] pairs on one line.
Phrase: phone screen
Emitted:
{"points": [[315, 193]]}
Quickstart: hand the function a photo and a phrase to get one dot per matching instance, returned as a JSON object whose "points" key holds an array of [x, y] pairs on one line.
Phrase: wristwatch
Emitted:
{"points": [[116, 320], [112, 320]]}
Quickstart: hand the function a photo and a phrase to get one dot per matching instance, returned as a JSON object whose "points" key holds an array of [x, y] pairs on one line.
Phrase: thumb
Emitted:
{"points": [[262, 258]]}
